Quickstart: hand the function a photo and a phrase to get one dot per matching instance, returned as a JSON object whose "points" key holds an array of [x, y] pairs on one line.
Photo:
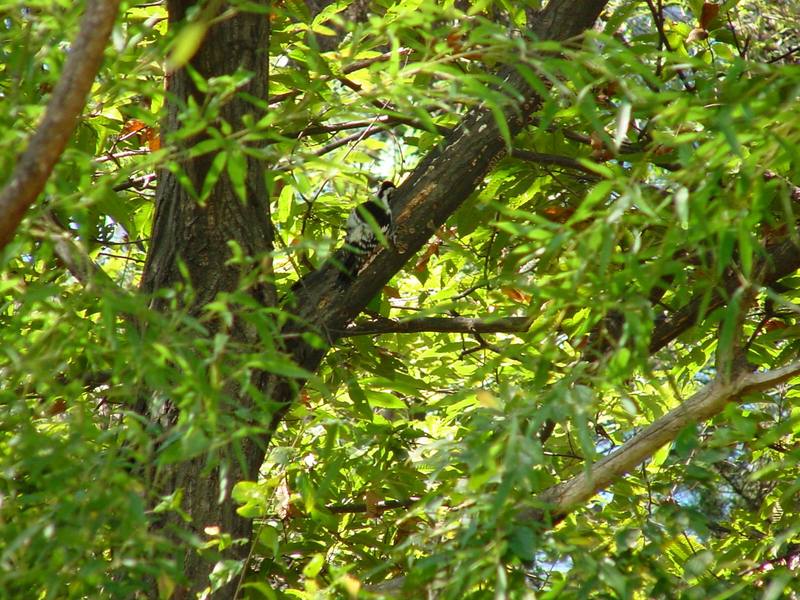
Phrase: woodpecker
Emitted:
{"points": [[364, 220]]}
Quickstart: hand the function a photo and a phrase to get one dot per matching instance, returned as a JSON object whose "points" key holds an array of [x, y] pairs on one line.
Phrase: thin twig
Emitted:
{"points": [[438, 325], [351, 68], [786, 54]]}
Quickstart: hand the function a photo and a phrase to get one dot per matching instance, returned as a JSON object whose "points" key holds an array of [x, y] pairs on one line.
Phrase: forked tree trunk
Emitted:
{"points": [[198, 236]]}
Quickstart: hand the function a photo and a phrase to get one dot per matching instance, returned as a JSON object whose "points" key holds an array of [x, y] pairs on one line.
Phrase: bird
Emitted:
{"points": [[362, 227]]}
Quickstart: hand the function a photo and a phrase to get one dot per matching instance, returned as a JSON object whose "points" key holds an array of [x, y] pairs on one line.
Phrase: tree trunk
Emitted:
{"points": [[198, 235]]}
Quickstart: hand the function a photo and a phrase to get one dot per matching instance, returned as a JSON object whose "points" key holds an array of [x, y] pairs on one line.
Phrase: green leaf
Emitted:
{"points": [[314, 566], [237, 170], [523, 543], [212, 176]]}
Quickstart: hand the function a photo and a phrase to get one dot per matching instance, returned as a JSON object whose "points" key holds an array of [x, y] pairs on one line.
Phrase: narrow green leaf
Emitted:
{"points": [[237, 171], [217, 165]]}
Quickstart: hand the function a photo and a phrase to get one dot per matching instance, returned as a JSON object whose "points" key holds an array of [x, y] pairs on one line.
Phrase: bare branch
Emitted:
{"points": [[344, 126], [61, 116], [560, 499], [139, 182], [704, 404], [786, 54], [552, 159], [360, 507], [439, 325]]}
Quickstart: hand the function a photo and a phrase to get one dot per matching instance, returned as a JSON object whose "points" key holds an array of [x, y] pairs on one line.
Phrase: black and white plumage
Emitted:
{"points": [[364, 220]]}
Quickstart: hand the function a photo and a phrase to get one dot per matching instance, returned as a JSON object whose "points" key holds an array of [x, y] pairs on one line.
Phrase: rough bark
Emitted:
{"points": [[198, 236], [436, 188]]}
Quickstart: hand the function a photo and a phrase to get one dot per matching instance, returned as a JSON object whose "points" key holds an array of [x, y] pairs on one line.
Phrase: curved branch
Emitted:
{"points": [[61, 116], [558, 501]]}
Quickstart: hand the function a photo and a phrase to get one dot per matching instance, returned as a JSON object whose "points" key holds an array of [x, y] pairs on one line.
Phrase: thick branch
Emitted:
{"points": [[439, 184], [704, 404], [561, 499], [61, 116], [436, 188], [439, 325]]}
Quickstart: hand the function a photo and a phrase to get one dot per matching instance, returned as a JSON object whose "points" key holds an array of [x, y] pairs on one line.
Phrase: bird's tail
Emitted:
{"points": [[349, 265]]}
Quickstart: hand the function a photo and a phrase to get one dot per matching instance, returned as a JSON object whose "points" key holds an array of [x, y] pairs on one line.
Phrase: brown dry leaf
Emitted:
{"points": [[453, 40], [696, 34], [709, 12], [774, 324], [153, 139], [558, 214], [391, 292], [433, 248], [132, 126], [58, 407], [516, 295]]}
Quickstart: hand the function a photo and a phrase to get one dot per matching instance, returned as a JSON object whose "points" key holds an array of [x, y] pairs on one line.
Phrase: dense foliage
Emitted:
{"points": [[633, 227]]}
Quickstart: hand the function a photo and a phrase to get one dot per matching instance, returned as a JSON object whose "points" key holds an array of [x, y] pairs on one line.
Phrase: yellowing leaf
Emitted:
{"points": [[351, 585], [487, 399], [187, 42]]}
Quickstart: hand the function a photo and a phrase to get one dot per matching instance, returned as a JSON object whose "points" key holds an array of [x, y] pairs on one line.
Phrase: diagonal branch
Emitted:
{"points": [[556, 502], [61, 116], [439, 184], [704, 404]]}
